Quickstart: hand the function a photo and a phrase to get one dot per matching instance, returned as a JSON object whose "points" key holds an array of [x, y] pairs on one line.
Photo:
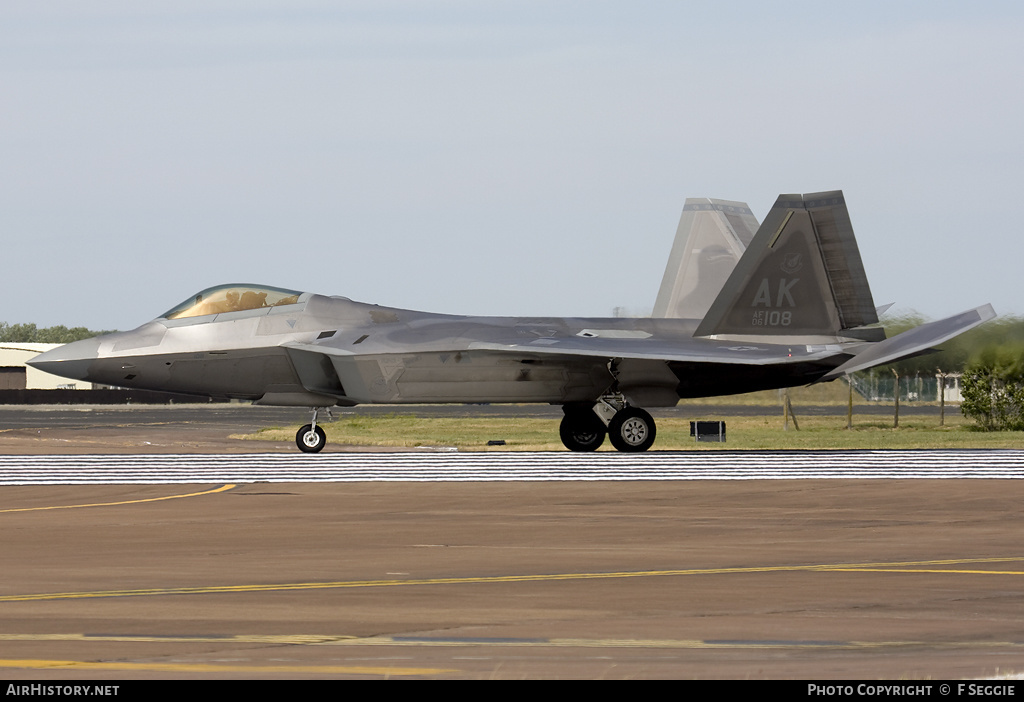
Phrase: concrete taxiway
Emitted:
{"points": [[706, 579]]}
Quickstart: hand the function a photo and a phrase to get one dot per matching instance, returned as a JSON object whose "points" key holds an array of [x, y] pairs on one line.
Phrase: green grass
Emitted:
{"points": [[752, 432]]}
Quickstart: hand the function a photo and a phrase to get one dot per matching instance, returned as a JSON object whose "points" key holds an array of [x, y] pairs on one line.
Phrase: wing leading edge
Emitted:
{"points": [[604, 349]]}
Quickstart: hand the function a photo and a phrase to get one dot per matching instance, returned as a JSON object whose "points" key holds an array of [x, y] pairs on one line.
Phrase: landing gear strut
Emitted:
{"points": [[584, 427], [312, 438]]}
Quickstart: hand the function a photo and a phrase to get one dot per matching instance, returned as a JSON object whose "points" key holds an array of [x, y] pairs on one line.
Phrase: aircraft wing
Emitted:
{"points": [[914, 341], [702, 351], [650, 349]]}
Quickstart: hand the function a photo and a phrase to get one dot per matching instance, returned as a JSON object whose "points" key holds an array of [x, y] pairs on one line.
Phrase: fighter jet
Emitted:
{"points": [[795, 309]]}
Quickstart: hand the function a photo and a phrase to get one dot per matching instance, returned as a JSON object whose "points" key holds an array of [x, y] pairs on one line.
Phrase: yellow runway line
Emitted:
{"points": [[209, 668], [222, 488], [439, 641], [895, 567]]}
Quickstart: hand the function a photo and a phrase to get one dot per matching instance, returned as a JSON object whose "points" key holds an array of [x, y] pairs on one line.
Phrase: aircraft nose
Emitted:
{"points": [[70, 360]]}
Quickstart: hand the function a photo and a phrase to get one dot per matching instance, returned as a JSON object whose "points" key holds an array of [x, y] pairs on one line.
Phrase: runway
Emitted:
{"points": [[489, 467], [720, 564], [819, 579]]}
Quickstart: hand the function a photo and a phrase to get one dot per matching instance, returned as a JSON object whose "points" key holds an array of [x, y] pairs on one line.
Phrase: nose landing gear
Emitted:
{"points": [[312, 438]]}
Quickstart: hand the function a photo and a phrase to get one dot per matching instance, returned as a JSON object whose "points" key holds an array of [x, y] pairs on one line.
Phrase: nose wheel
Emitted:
{"points": [[312, 438]]}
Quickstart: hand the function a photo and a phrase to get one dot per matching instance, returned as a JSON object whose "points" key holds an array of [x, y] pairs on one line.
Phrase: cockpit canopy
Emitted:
{"points": [[234, 298]]}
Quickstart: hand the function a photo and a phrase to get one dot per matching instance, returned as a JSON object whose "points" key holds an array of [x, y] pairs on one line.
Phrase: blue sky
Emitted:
{"points": [[514, 158]]}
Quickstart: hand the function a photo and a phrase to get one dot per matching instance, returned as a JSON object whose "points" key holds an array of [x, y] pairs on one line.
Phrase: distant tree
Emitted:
{"points": [[30, 334], [993, 387]]}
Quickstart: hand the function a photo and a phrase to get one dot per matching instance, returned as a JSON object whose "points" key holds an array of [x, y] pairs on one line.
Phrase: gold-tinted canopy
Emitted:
{"points": [[232, 298]]}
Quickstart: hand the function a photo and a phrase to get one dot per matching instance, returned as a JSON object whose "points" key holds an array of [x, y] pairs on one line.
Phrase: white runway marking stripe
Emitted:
{"points": [[466, 467]]}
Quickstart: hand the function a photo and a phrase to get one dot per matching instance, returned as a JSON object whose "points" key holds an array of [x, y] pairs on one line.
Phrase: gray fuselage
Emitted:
{"points": [[321, 351]]}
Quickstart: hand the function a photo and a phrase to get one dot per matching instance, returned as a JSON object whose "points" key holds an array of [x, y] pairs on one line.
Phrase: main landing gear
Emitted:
{"points": [[312, 438], [584, 426], [581, 429]]}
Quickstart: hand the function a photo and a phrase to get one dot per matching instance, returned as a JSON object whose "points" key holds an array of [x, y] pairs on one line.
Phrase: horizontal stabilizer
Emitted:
{"points": [[914, 341], [882, 309]]}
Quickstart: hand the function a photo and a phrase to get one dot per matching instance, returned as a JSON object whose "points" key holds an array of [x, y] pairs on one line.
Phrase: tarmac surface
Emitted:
{"points": [[814, 579]]}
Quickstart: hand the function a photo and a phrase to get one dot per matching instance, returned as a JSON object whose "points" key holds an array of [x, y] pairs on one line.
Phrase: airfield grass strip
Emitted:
{"points": [[760, 432]]}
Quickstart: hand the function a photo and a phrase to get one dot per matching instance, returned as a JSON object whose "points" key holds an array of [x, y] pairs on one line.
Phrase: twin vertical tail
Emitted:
{"points": [[801, 275], [711, 237]]}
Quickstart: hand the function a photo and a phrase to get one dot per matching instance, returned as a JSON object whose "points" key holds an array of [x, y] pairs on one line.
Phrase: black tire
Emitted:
{"points": [[632, 430], [311, 440], [581, 431]]}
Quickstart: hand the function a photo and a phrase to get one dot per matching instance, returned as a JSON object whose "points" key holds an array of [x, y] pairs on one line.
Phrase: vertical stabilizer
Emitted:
{"points": [[801, 274], [711, 237]]}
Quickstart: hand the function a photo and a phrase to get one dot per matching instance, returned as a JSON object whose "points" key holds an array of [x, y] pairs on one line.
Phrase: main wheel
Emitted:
{"points": [[581, 431], [310, 440], [632, 430]]}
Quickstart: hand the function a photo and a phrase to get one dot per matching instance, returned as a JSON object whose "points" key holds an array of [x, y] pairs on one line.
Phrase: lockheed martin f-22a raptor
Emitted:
{"points": [[795, 309]]}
